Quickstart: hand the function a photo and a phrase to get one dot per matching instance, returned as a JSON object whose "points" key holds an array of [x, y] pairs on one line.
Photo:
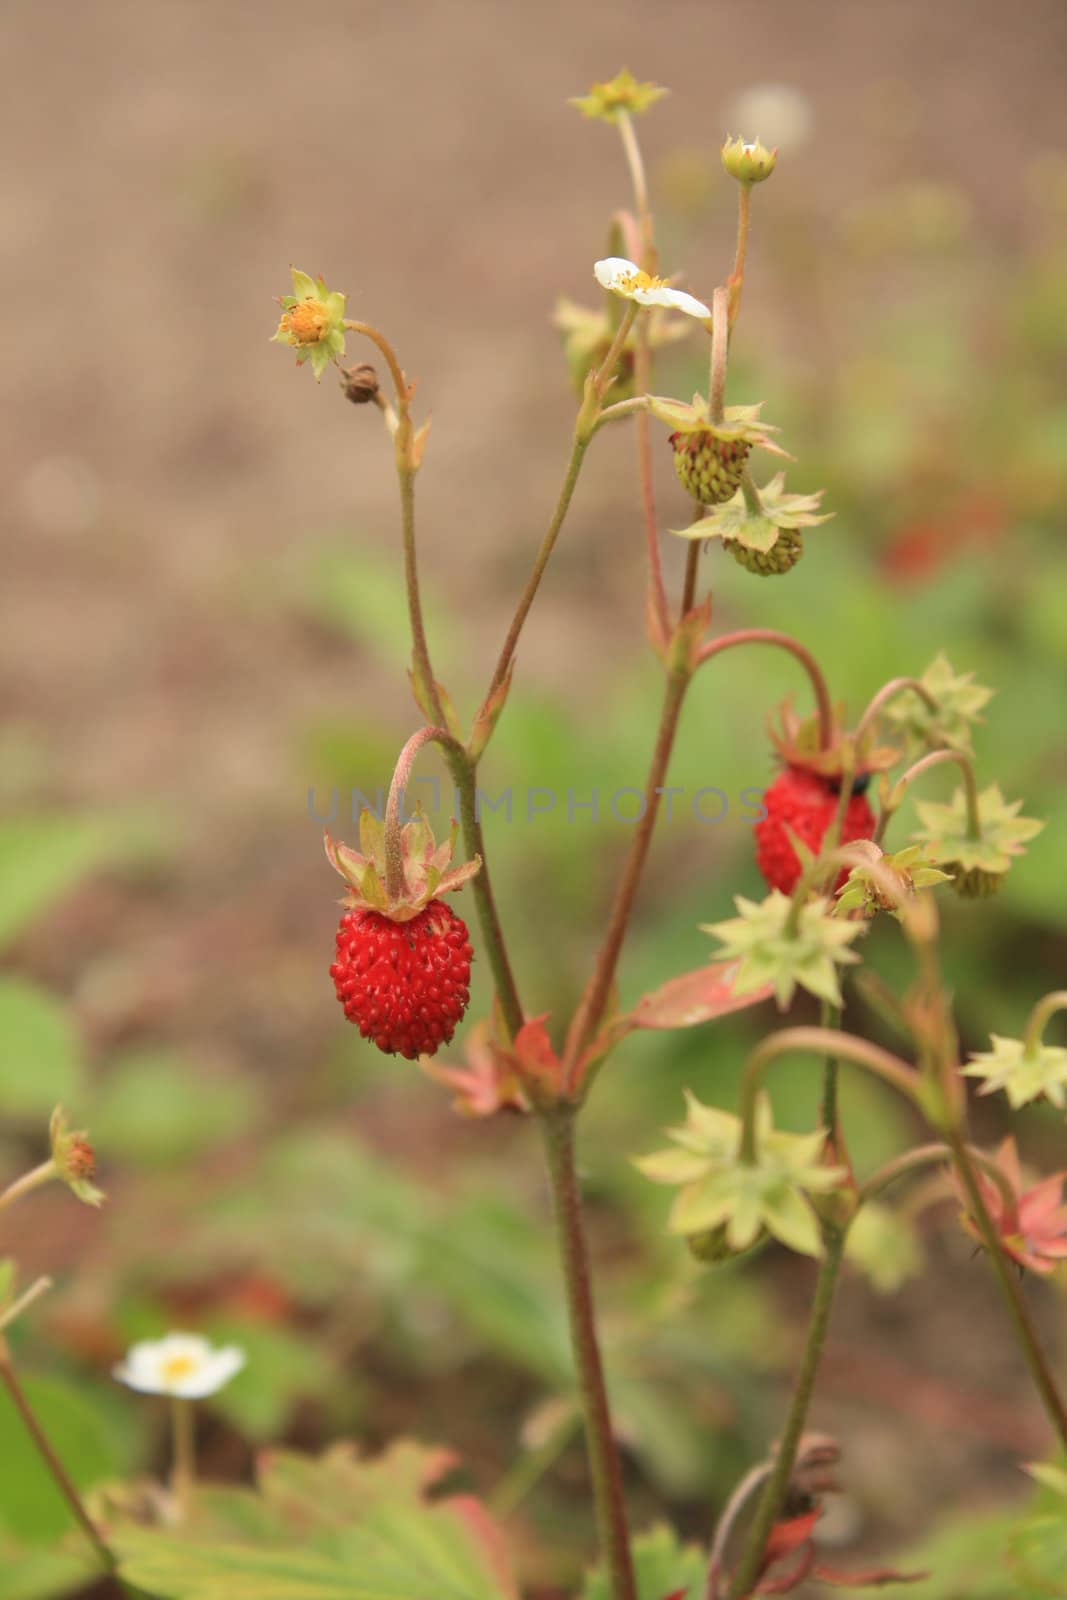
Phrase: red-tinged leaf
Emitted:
{"points": [[694, 997], [787, 1536], [785, 1582], [538, 1066], [489, 1536], [870, 1578]]}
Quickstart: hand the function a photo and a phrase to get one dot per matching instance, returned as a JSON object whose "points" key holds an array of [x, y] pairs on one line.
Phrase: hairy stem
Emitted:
{"points": [[1010, 1289], [592, 1005], [55, 1467], [938, 758], [783, 641], [28, 1182], [420, 647], [604, 1464], [776, 1488], [692, 568], [183, 1467], [464, 775], [737, 277], [1040, 1016], [817, 1041], [394, 854], [930, 1155], [657, 593], [720, 340]]}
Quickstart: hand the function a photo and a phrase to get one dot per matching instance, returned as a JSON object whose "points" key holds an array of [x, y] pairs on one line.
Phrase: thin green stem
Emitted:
{"points": [[776, 1488], [753, 503], [938, 758], [783, 641], [594, 1001], [736, 282], [183, 1468], [55, 1467], [464, 776], [830, 1019], [604, 1464], [1010, 1290], [1039, 1018], [533, 582], [817, 1041], [420, 647]]}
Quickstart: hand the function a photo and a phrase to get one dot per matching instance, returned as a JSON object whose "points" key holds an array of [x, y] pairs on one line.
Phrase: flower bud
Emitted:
{"points": [[749, 162], [73, 1159], [359, 383], [713, 1245]]}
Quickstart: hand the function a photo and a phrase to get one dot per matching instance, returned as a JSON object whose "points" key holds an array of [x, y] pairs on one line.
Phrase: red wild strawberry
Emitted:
{"points": [[805, 803], [404, 984], [403, 959]]}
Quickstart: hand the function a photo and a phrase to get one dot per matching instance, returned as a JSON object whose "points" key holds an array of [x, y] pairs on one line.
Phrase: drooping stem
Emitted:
{"points": [[777, 1486], [604, 1464], [592, 1005], [885, 694], [183, 1467], [929, 1155], [784, 641], [938, 758], [1010, 1289], [55, 1467], [1040, 1016], [403, 393], [817, 1041], [394, 855]]}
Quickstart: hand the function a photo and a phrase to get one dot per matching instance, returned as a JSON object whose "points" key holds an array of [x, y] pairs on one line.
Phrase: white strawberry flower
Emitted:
{"points": [[183, 1365], [626, 278]]}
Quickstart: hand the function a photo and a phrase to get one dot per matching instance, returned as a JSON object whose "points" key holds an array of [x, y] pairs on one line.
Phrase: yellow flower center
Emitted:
{"points": [[306, 322], [643, 280], [178, 1367]]}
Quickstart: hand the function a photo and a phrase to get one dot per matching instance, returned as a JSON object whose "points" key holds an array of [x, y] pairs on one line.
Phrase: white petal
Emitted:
{"points": [[216, 1372], [673, 299], [613, 271]]}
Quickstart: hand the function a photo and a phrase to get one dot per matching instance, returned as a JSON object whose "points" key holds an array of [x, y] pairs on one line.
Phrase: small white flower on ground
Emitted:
{"points": [[626, 278], [184, 1365]]}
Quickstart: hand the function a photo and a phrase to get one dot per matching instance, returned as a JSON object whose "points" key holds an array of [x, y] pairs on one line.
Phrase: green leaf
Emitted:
{"points": [[157, 1110], [662, 1566], [40, 859], [40, 1063], [81, 1433], [42, 1574], [335, 1528]]}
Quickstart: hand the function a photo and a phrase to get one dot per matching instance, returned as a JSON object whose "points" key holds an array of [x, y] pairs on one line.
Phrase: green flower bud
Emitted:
{"points": [[749, 162]]}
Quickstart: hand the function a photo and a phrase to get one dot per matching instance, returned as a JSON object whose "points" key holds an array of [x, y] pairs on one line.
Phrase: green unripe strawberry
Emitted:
{"points": [[784, 553]]}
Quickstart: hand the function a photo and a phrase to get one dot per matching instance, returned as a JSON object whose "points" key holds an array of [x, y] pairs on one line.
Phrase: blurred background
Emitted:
{"points": [[203, 618]]}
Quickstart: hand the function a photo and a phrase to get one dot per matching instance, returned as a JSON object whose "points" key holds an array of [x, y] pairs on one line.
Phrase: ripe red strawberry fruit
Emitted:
{"points": [[403, 958], [404, 984], [806, 803]]}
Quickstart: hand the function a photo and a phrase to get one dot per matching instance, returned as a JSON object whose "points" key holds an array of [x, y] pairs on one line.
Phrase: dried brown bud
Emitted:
{"points": [[360, 383]]}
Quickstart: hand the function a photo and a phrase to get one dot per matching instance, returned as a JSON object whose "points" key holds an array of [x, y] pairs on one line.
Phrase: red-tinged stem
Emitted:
{"points": [[929, 1155], [737, 276], [784, 641], [593, 1003], [1010, 1289], [692, 568], [938, 758], [28, 1182], [605, 1466], [720, 342], [817, 1041], [55, 1467], [403, 393], [1040, 1016], [657, 593], [886, 693], [394, 854]]}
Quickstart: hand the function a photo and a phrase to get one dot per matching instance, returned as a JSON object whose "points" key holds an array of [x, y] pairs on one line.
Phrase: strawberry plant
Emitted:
{"points": [[402, 1524]]}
